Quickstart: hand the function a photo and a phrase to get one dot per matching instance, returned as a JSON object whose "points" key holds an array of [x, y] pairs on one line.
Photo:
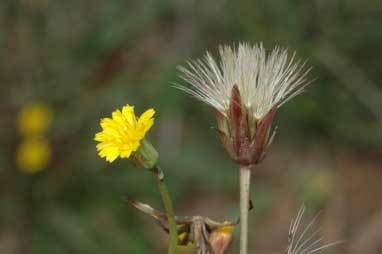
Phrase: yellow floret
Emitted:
{"points": [[122, 134]]}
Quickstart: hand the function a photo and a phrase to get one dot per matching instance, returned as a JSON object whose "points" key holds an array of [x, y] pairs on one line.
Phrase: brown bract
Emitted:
{"points": [[245, 138]]}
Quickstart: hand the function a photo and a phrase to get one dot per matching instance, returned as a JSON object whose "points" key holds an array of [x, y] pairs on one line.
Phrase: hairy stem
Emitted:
{"points": [[245, 181], [169, 209]]}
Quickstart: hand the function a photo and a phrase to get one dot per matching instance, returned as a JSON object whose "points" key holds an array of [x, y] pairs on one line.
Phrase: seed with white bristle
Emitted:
{"points": [[264, 79]]}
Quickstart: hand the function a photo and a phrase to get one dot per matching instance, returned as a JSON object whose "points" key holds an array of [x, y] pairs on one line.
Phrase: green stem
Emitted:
{"points": [[169, 210], [245, 181]]}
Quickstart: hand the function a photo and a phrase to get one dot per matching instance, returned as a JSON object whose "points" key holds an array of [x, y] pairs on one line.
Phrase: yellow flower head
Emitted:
{"points": [[33, 155], [124, 133], [34, 119]]}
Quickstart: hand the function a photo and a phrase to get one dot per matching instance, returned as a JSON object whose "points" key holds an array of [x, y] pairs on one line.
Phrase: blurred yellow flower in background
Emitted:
{"points": [[123, 134], [34, 119], [33, 155]]}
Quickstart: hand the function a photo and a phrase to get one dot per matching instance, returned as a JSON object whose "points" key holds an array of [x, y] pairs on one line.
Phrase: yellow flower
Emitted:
{"points": [[123, 136], [34, 119], [33, 155]]}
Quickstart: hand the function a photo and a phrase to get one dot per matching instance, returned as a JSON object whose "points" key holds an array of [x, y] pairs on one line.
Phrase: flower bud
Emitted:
{"points": [[221, 238]]}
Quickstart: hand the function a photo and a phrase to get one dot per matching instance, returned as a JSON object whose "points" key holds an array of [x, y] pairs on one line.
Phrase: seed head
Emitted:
{"points": [[245, 86]]}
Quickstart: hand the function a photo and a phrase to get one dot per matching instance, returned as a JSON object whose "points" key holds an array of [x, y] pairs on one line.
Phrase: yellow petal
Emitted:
{"points": [[128, 113], [111, 153], [146, 121], [146, 115], [126, 153]]}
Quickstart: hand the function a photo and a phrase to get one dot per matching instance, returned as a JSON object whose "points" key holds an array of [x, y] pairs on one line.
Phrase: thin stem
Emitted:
{"points": [[245, 181], [169, 209]]}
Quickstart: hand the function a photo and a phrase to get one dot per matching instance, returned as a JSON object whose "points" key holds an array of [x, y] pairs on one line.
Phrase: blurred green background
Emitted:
{"points": [[84, 59]]}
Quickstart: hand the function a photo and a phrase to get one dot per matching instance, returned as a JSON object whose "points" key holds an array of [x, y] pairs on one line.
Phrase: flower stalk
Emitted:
{"points": [[245, 182], [167, 203]]}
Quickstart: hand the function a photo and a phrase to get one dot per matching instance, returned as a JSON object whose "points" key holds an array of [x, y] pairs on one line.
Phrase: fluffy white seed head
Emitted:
{"points": [[264, 79]]}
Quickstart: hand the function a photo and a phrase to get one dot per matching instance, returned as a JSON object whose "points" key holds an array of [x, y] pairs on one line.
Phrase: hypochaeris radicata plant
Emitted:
{"points": [[246, 87], [123, 135]]}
